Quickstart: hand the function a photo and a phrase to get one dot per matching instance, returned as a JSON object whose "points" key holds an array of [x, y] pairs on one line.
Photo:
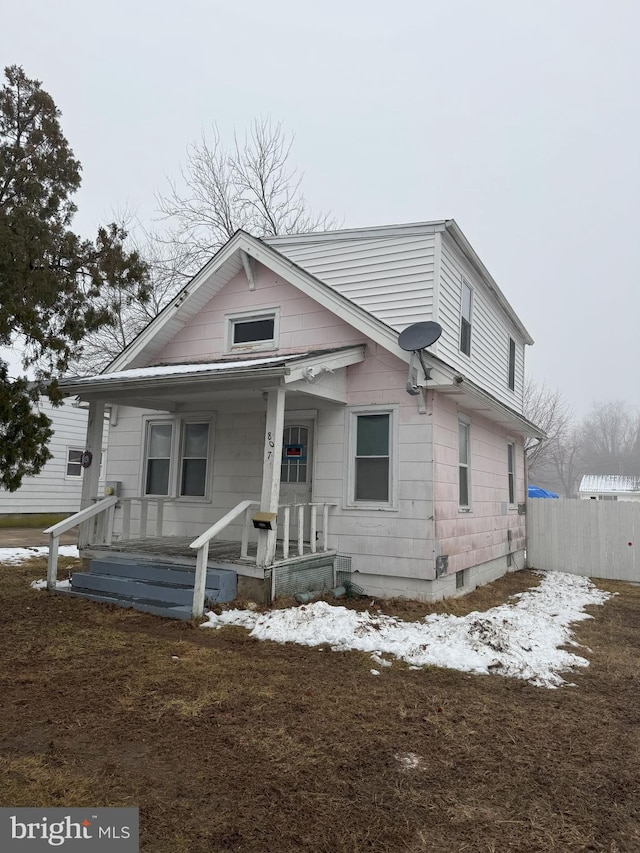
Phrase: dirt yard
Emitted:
{"points": [[232, 744]]}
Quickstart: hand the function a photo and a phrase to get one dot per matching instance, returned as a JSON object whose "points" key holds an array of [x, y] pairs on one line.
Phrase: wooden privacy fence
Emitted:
{"points": [[598, 539]]}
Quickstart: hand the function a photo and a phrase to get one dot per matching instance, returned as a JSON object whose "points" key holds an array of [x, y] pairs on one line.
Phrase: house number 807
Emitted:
{"points": [[271, 444]]}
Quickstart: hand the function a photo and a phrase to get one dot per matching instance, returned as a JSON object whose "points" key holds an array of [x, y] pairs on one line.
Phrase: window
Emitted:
{"points": [[74, 468], [372, 458], [158, 458], [371, 464], [465, 318], [177, 458], [511, 471], [195, 452], [512, 364], [295, 442], [253, 331], [463, 465]]}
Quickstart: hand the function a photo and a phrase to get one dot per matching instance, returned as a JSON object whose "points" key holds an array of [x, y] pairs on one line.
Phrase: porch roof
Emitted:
{"points": [[294, 367]]}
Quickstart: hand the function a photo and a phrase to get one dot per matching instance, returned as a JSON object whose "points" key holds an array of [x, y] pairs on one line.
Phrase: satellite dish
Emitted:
{"points": [[419, 335], [414, 339]]}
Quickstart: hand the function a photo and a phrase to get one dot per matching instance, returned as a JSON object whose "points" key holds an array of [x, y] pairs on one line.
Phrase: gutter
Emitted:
{"points": [[528, 428], [119, 383]]}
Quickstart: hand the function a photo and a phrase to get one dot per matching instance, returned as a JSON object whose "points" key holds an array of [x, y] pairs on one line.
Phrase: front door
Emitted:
{"points": [[296, 471]]}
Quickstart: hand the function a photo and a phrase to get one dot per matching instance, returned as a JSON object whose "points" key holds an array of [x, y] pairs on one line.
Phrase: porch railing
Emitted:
{"points": [[104, 508], [201, 544], [298, 510], [145, 505]]}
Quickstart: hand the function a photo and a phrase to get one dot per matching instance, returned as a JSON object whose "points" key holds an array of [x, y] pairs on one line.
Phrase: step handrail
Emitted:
{"points": [[56, 530], [221, 523], [202, 546]]}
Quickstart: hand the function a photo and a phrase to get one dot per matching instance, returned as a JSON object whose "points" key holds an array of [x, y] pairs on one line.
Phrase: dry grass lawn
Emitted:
{"points": [[232, 744]]}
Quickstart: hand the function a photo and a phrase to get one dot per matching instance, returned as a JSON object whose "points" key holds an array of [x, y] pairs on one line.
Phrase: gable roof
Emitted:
{"points": [[609, 483], [342, 258], [213, 276], [312, 263]]}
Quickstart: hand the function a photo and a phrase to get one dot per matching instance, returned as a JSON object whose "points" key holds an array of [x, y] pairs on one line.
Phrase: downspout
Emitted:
{"points": [[526, 504], [430, 395]]}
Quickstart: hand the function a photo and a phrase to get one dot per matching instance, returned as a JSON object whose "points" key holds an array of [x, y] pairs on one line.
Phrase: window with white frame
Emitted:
{"points": [[371, 469], [194, 459], [511, 471], [253, 330], [511, 378], [464, 457], [465, 317], [74, 460], [177, 457], [158, 458]]}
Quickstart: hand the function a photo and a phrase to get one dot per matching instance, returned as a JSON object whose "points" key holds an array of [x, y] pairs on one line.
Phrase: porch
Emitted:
{"points": [[177, 576]]}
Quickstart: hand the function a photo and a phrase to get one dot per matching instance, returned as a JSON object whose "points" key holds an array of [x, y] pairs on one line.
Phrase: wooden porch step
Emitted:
{"points": [[153, 587], [223, 580], [133, 588], [156, 608]]}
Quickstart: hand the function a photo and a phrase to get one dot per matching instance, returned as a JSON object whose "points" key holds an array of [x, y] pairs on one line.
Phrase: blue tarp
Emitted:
{"points": [[537, 492]]}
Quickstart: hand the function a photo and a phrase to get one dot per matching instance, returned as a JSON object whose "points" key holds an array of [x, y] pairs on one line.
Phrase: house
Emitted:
{"points": [[269, 421], [56, 490], [609, 487]]}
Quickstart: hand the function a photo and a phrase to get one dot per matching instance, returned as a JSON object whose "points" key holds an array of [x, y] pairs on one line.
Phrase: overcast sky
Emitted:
{"points": [[517, 118]]}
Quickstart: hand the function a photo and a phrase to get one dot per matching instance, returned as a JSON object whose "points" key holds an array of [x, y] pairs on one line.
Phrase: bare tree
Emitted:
{"points": [[250, 185], [611, 439], [548, 409], [566, 460]]}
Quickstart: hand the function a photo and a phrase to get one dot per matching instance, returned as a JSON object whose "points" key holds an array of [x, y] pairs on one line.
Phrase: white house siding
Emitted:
{"points": [[383, 543], [391, 277], [304, 324], [471, 539], [490, 330], [52, 491], [238, 446], [396, 542]]}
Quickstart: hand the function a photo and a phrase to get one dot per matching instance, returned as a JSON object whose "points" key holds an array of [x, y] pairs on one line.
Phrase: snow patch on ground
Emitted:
{"points": [[409, 760], [19, 555], [520, 639], [42, 584]]}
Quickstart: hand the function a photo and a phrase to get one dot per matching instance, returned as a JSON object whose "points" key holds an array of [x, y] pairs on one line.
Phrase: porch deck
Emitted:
{"points": [[177, 548]]}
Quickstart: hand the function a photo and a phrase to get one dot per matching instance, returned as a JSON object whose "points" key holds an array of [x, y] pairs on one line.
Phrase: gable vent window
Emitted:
{"points": [[465, 318], [253, 331], [512, 364]]}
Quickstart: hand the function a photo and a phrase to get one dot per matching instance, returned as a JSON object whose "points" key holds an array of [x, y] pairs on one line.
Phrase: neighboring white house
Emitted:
{"points": [[276, 377], [609, 487], [57, 488]]}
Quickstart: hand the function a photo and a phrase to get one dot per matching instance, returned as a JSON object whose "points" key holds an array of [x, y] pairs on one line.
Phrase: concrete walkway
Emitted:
{"points": [[24, 537]]}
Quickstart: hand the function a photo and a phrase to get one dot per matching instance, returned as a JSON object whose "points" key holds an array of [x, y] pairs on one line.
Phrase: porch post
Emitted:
{"points": [[91, 475], [271, 472]]}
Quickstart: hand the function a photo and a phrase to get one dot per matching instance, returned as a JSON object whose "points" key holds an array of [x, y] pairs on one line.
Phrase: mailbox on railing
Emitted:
{"points": [[263, 520]]}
